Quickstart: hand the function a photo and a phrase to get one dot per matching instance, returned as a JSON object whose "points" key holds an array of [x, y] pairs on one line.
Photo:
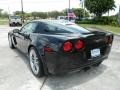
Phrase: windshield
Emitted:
{"points": [[14, 17]]}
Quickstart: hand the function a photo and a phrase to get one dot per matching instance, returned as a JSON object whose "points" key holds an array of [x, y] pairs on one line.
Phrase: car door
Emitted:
{"points": [[23, 39]]}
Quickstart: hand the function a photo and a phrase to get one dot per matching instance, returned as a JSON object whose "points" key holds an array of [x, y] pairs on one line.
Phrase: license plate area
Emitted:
{"points": [[95, 53]]}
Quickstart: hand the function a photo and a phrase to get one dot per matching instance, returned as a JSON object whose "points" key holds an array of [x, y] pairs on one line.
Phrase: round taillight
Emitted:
{"points": [[79, 44], [107, 39], [67, 46], [110, 39]]}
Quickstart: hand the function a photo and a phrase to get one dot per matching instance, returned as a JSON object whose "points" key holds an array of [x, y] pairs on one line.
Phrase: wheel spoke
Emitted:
{"points": [[34, 62]]}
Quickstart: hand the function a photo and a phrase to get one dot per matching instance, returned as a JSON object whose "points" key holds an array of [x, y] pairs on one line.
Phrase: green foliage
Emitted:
{"points": [[41, 15], [18, 13], [3, 14], [113, 29], [99, 7], [119, 16], [55, 14], [85, 21], [105, 20], [79, 12]]}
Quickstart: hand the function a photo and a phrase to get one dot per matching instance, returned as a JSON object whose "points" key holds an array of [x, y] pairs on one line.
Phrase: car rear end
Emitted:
{"points": [[77, 53]]}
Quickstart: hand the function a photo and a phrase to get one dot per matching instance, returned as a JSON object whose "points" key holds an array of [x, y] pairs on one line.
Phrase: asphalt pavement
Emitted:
{"points": [[15, 73]]}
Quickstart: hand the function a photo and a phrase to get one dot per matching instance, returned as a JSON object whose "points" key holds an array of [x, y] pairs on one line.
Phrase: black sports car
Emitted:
{"points": [[56, 47]]}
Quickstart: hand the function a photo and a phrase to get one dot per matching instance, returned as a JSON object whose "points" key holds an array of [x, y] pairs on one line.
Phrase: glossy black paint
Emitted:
{"points": [[58, 61]]}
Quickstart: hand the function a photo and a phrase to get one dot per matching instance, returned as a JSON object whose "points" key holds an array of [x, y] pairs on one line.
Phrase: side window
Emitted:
{"points": [[51, 28], [29, 28], [40, 28], [55, 29], [48, 28], [43, 28]]}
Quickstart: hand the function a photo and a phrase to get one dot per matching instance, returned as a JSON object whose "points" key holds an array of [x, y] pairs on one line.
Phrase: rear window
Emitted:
{"points": [[51, 27], [56, 28], [78, 29]]}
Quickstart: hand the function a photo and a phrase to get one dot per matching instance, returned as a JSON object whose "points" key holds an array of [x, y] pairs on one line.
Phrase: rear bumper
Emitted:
{"points": [[56, 69], [58, 63]]}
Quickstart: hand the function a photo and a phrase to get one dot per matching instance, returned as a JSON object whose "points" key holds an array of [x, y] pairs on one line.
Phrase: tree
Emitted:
{"points": [[99, 7], [5, 15], [17, 13], [55, 14], [41, 15], [1, 12], [79, 12]]}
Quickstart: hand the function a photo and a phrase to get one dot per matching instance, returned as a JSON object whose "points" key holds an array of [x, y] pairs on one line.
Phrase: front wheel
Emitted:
{"points": [[10, 42], [35, 63], [20, 24]]}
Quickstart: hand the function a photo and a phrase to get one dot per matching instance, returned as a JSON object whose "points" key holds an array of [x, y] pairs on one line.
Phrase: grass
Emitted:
{"points": [[102, 27], [3, 21]]}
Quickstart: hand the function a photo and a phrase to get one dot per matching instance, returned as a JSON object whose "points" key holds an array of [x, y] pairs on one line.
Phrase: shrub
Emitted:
{"points": [[105, 20]]}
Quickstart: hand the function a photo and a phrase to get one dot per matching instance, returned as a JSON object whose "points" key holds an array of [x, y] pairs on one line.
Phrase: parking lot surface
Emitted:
{"points": [[15, 73]]}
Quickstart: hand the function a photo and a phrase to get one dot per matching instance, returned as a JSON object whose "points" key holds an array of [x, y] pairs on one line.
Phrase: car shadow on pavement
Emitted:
{"points": [[72, 80], [66, 81], [23, 57]]}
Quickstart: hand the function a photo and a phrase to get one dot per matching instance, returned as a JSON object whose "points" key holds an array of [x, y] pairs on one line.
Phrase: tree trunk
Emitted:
{"points": [[98, 14]]}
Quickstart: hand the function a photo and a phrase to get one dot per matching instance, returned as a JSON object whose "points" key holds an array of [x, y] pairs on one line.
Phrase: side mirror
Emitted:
{"points": [[16, 30]]}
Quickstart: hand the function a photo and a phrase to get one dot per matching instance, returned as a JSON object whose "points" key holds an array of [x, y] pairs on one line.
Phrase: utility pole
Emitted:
{"points": [[119, 9], [8, 10], [69, 4], [68, 11], [119, 16], [22, 11]]}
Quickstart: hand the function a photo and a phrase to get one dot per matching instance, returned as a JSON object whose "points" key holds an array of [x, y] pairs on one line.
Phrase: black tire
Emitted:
{"points": [[20, 24], [10, 42], [97, 64], [10, 25], [40, 65]]}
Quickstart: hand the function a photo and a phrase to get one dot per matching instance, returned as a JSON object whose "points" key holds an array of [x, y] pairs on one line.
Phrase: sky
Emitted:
{"points": [[44, 5]]}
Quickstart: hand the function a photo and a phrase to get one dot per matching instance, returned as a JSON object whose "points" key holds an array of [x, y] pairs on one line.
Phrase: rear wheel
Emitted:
{"points": [[10, 42], [35, 63]]}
